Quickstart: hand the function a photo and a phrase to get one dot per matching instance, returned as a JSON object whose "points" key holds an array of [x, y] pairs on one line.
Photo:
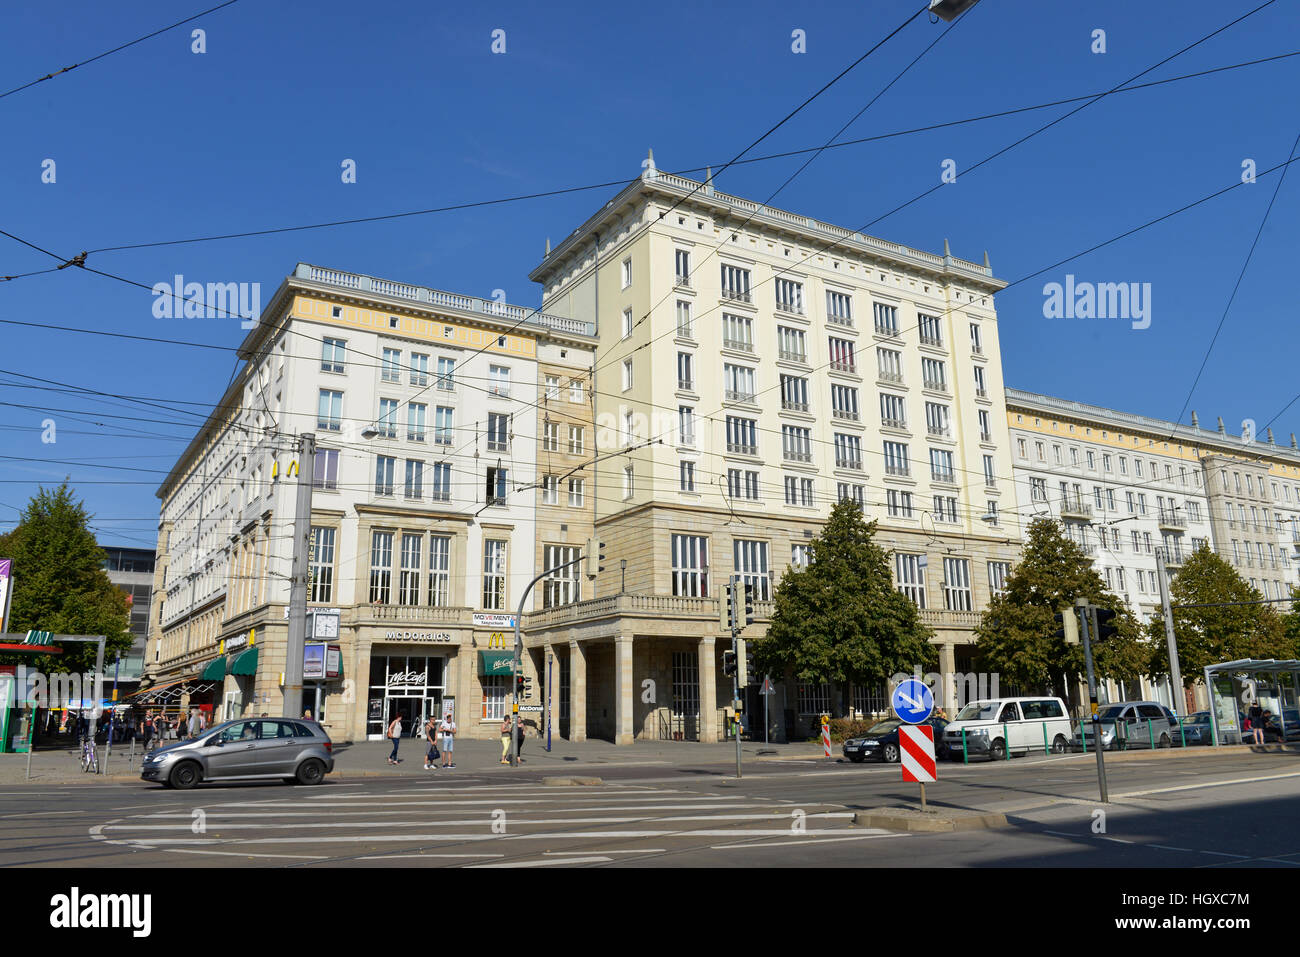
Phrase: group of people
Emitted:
{"points": [[441, 738]]}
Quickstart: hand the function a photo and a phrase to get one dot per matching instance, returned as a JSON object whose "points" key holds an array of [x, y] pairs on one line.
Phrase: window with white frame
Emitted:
{"points": [[690, 557], [494, 575], [686, 475], [886, 319], [739, 383], [442, 425], [909, 575], [325, 469], [496, 689], [576, 390], [930, 329], [796, 443], [321, 574], [933, 375], [415, 416], [551, 437], [439, 593], [575, 439], [408, 582], [751, 565], [685, 425], [685, 371], [792, 344], [842, 355], [839, 308], [893, 411], [896, 459], [499, 381], [552, 388], [627, 482], [333, 355], [440, 489], [564, 585], [576, 488], [789, 296], [685, 328], [330, 411], [956, 584], [627, 374], [682, 266], [800, 555], [381, 567], [889, 365], [998, 574], [735, 283], [899, 503], [945, 509], [385, 466], [391, 365], [627, 273], [446, 374], [414, 480], [550, 490], [737, 333]]}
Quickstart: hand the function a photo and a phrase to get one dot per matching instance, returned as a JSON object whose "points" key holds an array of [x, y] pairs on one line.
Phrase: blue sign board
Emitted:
{"points": [[912, 701]]}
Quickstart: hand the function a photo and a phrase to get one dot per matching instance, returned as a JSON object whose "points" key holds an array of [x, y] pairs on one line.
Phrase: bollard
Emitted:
{"points": [[1046, 749], [1181, 732], [1083, 736], [1006, 741], [1151, 735], [965, 751]]}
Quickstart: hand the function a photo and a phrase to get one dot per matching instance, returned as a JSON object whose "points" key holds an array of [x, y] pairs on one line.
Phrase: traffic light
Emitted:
{"points": [[1067, 626], [523, 685], [749, 603], [1106, 627], [742, 663], [594, 558], [729, 663], [729, 622]]}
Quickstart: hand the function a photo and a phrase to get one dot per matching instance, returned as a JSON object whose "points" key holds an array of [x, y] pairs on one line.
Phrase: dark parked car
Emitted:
{"points": [[1195, 730], [294, 750], [881, 741]]}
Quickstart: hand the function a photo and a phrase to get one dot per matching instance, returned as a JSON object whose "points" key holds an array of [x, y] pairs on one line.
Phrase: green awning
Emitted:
{"points": [[496, 662], [215, 670], [244, 663]]}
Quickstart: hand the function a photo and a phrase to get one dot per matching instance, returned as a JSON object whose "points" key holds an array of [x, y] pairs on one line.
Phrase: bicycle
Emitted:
{"points": [[89, 756]]}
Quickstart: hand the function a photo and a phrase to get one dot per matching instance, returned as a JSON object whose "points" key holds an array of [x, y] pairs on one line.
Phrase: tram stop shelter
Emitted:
{"points": [[1231, 684]]}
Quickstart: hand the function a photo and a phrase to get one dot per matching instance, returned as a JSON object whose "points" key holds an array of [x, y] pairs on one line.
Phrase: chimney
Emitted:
{"points": [[1196, 423], [1221, 432], [1270, 436]]}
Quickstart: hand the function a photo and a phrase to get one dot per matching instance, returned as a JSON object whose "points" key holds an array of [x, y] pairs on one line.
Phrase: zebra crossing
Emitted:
{"points": [[477, 825]]}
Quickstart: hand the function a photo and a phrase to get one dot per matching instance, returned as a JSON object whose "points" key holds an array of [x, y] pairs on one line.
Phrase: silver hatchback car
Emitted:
{"points": [[251, 749], [1126, 725]]}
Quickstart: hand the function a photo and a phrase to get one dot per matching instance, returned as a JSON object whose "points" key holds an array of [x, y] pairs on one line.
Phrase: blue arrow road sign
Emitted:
{"points": [[912, 701]]}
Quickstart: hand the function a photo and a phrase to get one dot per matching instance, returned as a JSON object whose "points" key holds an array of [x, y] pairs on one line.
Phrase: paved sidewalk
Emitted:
{"points": [[370, 759]]}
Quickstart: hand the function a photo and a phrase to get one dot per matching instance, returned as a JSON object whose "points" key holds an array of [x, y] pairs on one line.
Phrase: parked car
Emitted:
{"points": [[1195, 730], [881, 741], [1128, 725], [247, 750], [1017, 725]]}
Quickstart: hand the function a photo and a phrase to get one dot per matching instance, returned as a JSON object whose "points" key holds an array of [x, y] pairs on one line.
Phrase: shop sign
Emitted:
{"points": [[493, 621], [237, 642], [440, 636], [313, 662], [333, 661], [406, 679]]}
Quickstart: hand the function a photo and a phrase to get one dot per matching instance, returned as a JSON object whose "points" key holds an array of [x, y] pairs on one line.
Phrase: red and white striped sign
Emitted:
{"points": [[826, 738], [916, 752]]}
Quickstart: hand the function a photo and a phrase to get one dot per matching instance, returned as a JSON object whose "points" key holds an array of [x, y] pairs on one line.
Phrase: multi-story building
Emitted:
{"points": [[132, 571], [754, 367], [428, 410], [1128, 488]]}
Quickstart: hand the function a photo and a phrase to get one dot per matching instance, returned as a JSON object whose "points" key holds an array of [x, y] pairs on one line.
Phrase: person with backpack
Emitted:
{"points": [[431, 735], [395, 732]]}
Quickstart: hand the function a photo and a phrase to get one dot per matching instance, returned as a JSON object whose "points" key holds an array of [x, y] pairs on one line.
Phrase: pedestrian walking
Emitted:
{"points": [[447, 733], [505, 739], [147, 727], [194, 726], [395, 732], [519, 740], [431, 735]]}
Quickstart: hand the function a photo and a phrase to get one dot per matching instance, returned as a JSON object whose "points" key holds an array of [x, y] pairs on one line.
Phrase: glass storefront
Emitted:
{"points": [[410, 685]]}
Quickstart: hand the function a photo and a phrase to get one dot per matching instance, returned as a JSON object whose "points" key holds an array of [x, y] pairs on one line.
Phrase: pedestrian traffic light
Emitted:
{"points": [[1067, 626], [594, 558], [749, 603], [523, 685], [729, 663], [1106, 627], [742, 663]]}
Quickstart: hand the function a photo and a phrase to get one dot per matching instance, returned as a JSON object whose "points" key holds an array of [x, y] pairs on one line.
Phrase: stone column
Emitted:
{"points": [[708, 691], [577, 692], [623, 690], [550, 685], [948, 677]]}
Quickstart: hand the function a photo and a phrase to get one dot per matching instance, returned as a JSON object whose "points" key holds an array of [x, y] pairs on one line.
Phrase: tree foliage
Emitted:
{"points": [[1016, 634], [840, 619], [1207, 636], [59, 584]]}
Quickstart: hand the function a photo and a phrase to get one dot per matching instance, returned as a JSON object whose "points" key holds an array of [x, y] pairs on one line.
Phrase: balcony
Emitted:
{"points": [[1173, 520], [886, 330], [686, 385], [499, 390], [497, 501], [793, 308], [893, 423], [686, 438], [1076, 509], [903, 471], [790, 405], [981, 393], [740, 448], [845, 462], [789, 356], [791, 455], [737, 345], [647, 606], [1088, 548], [935, 385], [498, 445], [835, 320], [440, 495], [737, 295], [938, 431], [976, 349], [682, 282], [447, 383], [1173, 557], [986, 436], [948, 478], [844, 365], [845, 414], [931, 341], [685, 331], [731, 395], [421, 614]]}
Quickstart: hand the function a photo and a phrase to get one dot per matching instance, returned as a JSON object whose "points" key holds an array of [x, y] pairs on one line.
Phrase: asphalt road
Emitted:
{"points": [[1181, 813]]}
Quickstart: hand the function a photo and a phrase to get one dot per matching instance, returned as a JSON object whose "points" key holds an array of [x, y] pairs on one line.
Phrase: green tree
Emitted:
{"points": [[1016, 634], [1207, 636], [59, 583], [840, 619]]}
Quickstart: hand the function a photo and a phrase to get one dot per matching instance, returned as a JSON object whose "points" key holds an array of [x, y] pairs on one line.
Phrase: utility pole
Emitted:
{"points": [[1175, 673], [735, 652], [1085, 620], [297, 638]]}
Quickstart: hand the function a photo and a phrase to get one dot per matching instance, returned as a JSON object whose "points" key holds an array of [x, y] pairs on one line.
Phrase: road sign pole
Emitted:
{"points": [[1085, 621], [922, 784], [767, 724]]}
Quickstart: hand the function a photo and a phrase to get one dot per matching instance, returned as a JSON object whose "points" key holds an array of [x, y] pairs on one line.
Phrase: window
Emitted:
{"points": [[896, 459], [550, 490], [408, 582], [419, 368], [789, 296], [893, 411], [495, 485], [839, 308], [989, 479], [575, 439], [909, 573], [1092, 460], [686, 472], [798, 491], [794, 393], [576, 493], [998, 573], [1123, 465], [941, 469], [384, 467], [739, 383], [899, 503], [496, 690], [690, 565], [332, 356], [796, 443], [551, 437], [1037, 490], [842, 356], [931, 333], [986, 433], [751, 565], [685, 328], [1021, 450], [629, 430], [743, 484], [627, 374], [682, 267], [976, 342], [1128, 498], [981, 389], [499, 381], [1110, 499], [627, 273], [627, 323], [800, 555], [446, 374], [387, 424], [325, 470], [414, 479], [441, 487], [792, 344], [381, 567], [1142, 503], [1137, 468], [415, 415], [321, 565], [889, 365], [494, 575], [742, 435], [956, 584], [685, 371], [391, 366], [848, 451], [1194, 511], [1105, 462], [933, 375], [737, 333], [442, 425], [575, 390], [552, 388], [735, 283], [945, 509], [685, 425], [846, 492], [564, 585], [937, 420], [330, 411], [886, 319], [627, 482]]}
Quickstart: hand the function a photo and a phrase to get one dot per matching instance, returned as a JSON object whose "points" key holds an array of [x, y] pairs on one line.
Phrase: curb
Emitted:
{"points": [[944, 821]]}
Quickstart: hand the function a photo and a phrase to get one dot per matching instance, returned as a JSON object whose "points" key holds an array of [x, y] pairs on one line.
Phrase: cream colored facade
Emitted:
{"points": [[730, 417]]}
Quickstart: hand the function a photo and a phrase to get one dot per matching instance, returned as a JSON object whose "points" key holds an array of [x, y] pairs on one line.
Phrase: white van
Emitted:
{"points": [[1019, 725]]}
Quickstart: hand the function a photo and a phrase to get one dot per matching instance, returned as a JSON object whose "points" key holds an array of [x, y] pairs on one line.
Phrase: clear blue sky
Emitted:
{"points": [[156, 142]]}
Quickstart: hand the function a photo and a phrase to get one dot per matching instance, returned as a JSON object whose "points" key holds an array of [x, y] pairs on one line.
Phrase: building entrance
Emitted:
{"points": [[410, 685]]}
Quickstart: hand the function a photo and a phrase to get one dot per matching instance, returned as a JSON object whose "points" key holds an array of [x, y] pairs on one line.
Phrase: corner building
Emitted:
{"points": [[747, 378]]}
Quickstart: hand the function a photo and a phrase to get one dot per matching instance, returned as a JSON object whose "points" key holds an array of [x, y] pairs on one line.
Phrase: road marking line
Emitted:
{"points": [[558, 862], [648, 850], [1117, 840], [1210, 784], [1166, 847], [1062, 834], [739, 833], [1240, 857], [185, 850], [822, 840], [394, 857]]}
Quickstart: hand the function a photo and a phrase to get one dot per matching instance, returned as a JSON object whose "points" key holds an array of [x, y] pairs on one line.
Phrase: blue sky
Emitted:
{"points": [[156, 142]]}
